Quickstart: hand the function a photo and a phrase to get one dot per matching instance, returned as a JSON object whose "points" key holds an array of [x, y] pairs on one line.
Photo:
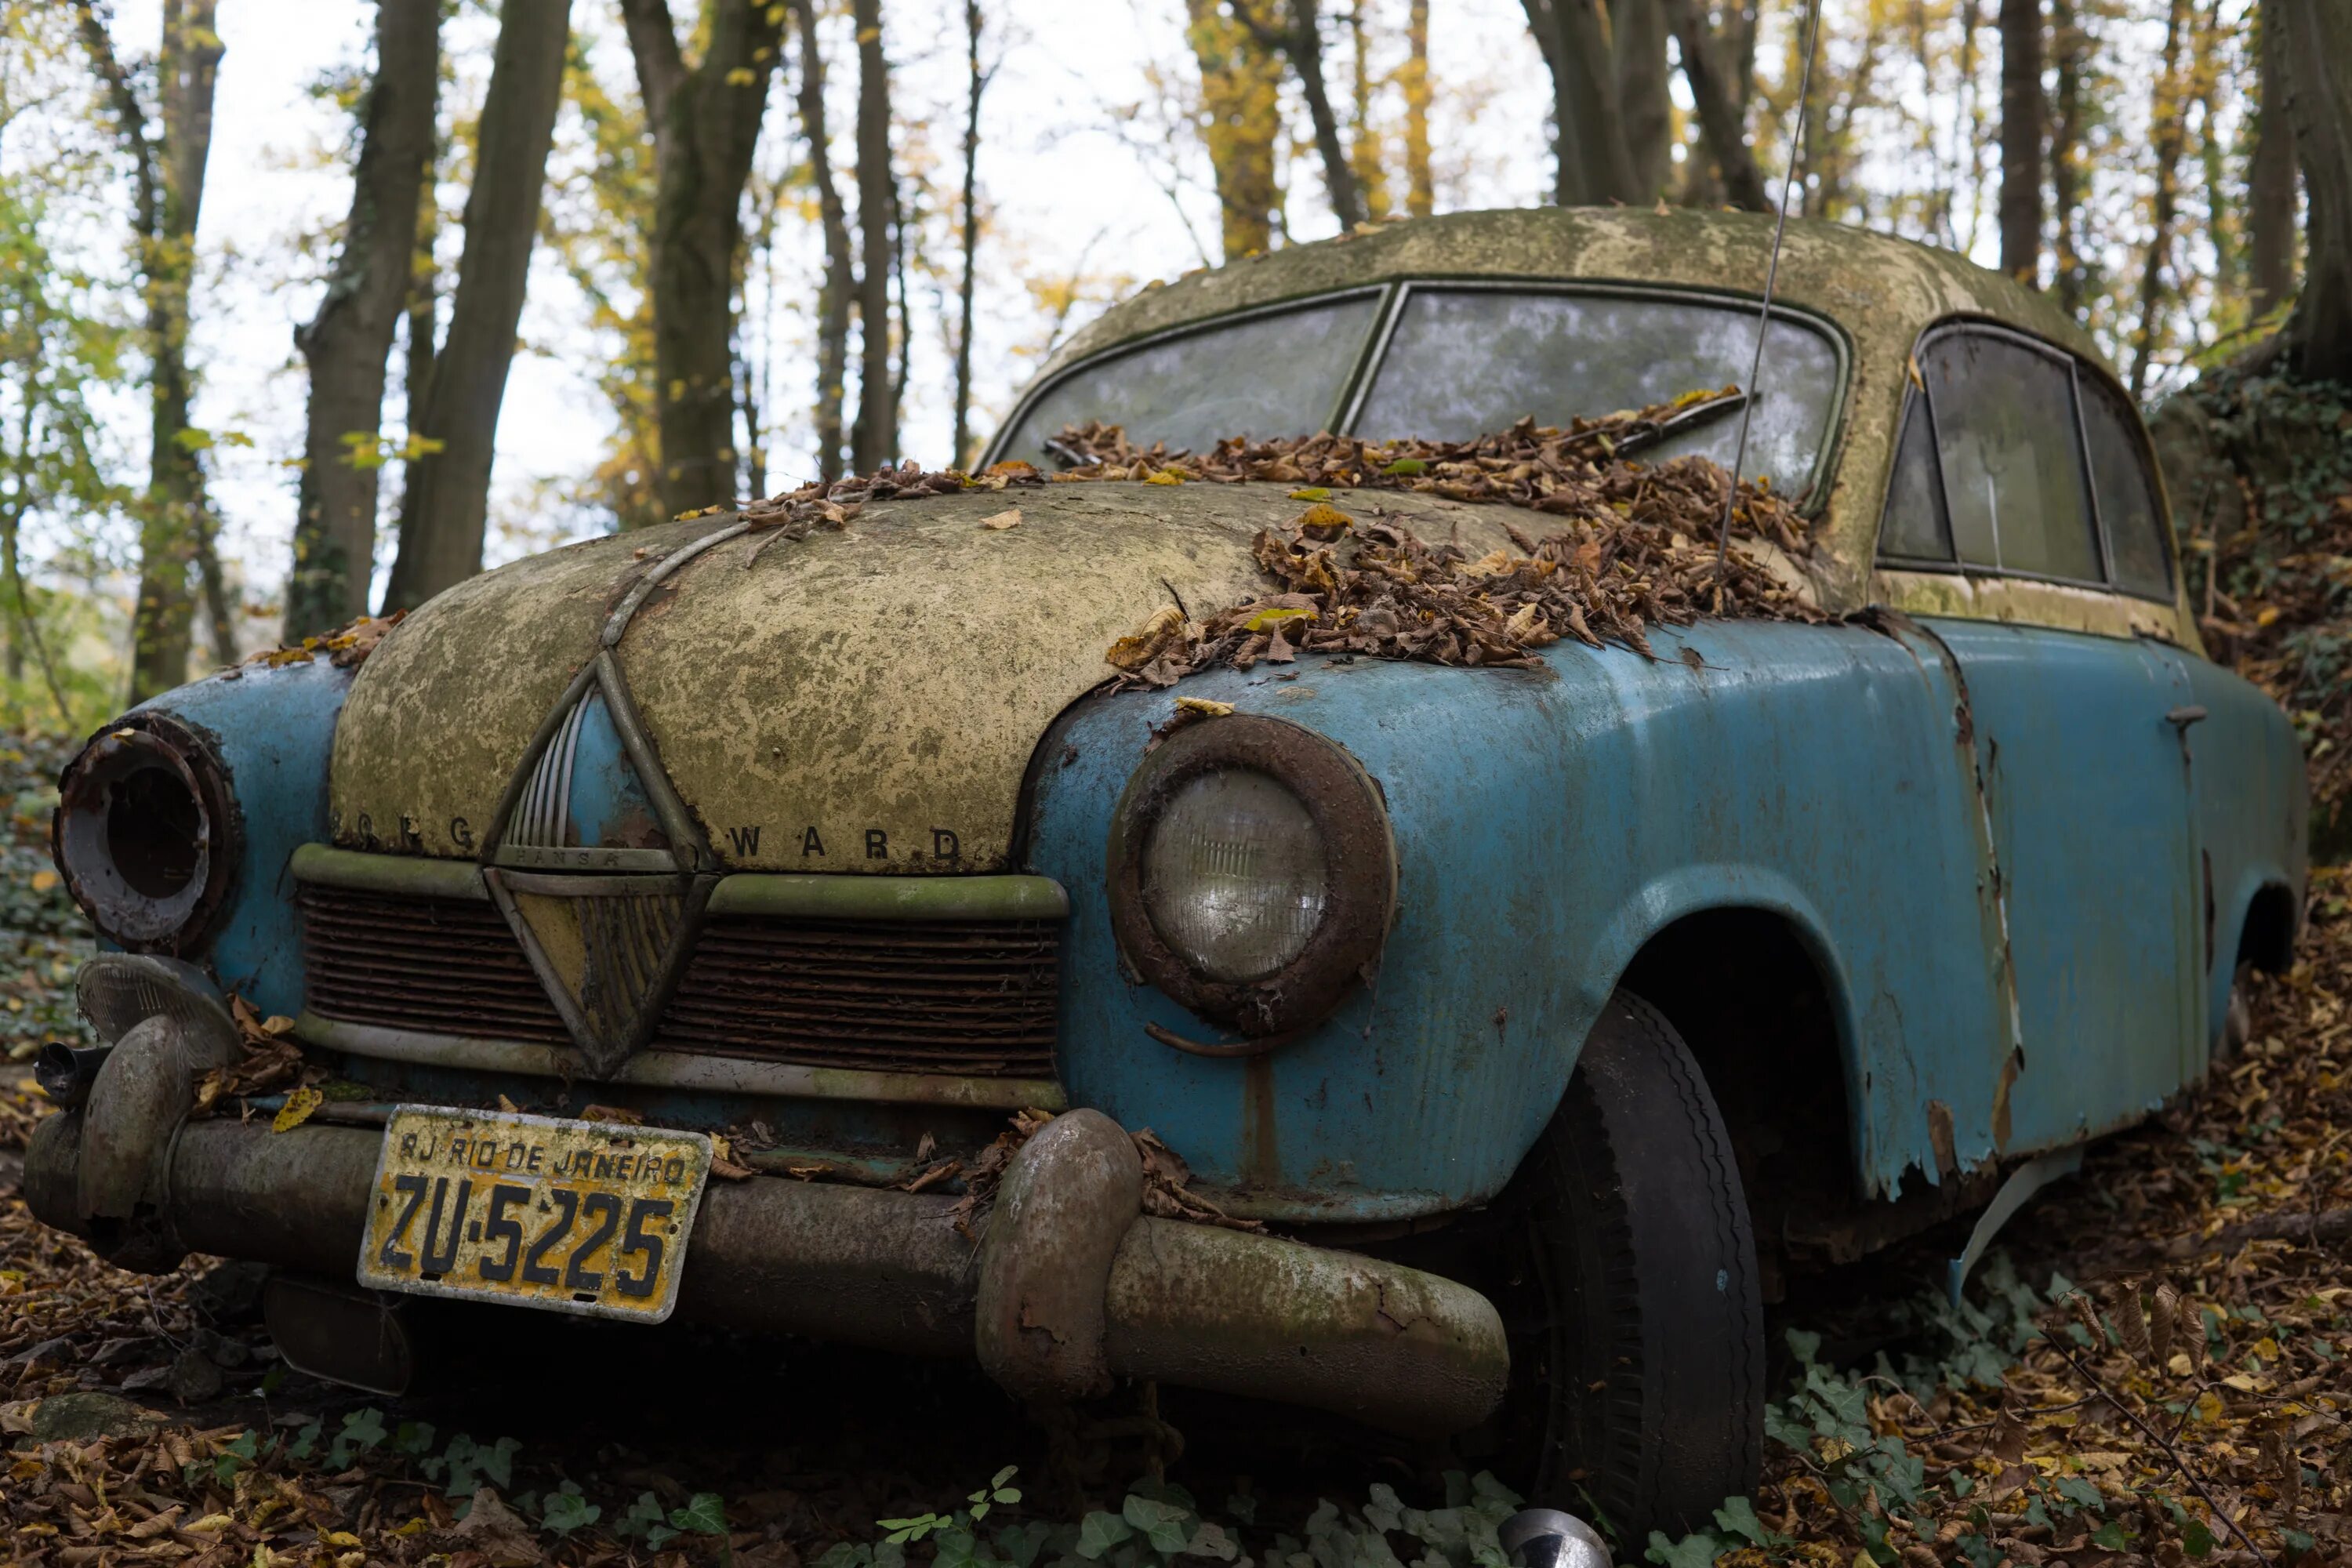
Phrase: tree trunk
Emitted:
{"points": [[878, 415], [2066, 157], [705, 122], [2020, 139], [2269, 174], [1302, 41], [167, 195], [1364, 149], [1241, 83], [348, 342], [1420, 189], [418, 348], [1637, 38], [2168, 120], [441, 542], [2317, 44], [975, 83], [1722, 115], [1595, 162], [840, 284]]}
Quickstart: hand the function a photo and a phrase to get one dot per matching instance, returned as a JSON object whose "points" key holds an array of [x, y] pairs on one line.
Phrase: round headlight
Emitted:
{"points": [[1234, 876], [145, 835], [1252, 873]]}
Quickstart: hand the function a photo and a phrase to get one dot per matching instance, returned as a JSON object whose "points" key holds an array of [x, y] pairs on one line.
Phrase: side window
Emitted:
{"points": [[2134, 521], [2014, 460], [2005, 439], [1915, 528]]}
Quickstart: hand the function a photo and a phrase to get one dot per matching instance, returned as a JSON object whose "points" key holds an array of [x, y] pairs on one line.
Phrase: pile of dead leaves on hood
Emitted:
{"points": [[1635, 545], [2181, 1393], [344, 648]]}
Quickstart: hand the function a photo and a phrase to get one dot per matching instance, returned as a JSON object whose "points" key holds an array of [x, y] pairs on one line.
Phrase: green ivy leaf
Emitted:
{"points": [[567, 1511], [704, 1514], [1163, 1524], [1696, 1550], [1738, 1516], [1099, 1532]]}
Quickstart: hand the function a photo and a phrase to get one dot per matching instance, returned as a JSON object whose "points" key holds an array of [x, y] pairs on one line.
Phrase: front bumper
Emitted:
{"points": [[1070, 1286]]}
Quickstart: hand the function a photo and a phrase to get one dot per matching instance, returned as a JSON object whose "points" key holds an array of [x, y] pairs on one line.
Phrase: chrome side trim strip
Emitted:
{"points": [[870, 898], [416, 876]]}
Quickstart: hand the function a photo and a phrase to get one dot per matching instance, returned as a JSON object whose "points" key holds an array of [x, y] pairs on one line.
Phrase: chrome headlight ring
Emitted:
{"points": [[147, 834], [1344, 914]]}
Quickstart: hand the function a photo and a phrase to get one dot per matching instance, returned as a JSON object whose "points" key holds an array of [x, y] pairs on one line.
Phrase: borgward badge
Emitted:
{"points": [[599, 868]]}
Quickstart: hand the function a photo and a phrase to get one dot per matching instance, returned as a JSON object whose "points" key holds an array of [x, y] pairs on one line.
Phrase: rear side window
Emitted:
{"points": [[2014, 462], [2128, 497]]}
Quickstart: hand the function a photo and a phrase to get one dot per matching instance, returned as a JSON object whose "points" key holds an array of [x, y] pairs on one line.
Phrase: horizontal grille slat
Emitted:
{"points": [[974, 997], [439, 966]]}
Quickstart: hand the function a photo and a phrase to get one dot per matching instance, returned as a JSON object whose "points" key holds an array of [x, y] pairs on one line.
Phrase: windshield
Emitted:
{"points": [[1266, 376], [1461, 361]]}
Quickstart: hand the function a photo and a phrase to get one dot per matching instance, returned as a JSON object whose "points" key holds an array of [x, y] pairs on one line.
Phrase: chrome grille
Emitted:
{"points": [[441, 966], [960, 996], [974, 997]]}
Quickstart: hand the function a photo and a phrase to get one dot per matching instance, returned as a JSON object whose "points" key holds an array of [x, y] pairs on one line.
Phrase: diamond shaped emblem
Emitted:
{"points": [[592, 865]]}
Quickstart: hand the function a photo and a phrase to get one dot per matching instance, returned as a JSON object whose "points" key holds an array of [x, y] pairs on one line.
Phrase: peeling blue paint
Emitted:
{"points": [[273, 729], [1550, 823]]}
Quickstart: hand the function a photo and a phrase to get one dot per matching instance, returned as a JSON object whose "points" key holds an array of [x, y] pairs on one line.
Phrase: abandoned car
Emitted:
{"points": [[703, 919]]}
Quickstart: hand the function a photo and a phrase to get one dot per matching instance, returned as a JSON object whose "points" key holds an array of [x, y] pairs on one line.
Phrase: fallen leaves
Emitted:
{"points": [[345, 647], [1635, 545], [297, 1109]]}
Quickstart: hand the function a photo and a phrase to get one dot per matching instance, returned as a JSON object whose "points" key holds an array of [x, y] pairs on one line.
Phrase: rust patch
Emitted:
{"points": [[1261, 1142], [2012, 1065], [1940, 1139]]}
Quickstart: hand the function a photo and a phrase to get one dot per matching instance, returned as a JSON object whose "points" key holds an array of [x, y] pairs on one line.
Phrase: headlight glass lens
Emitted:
{"points": [[1236, 875]]}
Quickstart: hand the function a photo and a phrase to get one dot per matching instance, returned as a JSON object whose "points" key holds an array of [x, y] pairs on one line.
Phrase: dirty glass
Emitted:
{"points": [[1264, 376], [2127, 502], [2005, 438], [1463, 362], [1915, 527]]}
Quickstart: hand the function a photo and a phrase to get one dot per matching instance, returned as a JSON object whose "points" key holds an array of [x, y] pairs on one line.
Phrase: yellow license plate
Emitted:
{"points": [[574, 1217]]}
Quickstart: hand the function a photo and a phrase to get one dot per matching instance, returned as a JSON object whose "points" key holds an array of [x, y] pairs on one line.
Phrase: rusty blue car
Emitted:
{"points": [[804, 938]]}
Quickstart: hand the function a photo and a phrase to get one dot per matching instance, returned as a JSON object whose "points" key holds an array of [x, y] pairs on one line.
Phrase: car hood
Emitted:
{"points": [[859, 701]]}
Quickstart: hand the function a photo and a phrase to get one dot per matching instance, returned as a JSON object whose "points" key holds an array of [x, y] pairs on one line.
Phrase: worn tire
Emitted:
{"points": [[1637, 1331]]}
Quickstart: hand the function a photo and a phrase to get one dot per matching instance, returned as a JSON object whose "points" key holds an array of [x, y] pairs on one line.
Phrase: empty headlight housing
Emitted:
{"points": [[1252, 873], [146, 835]]}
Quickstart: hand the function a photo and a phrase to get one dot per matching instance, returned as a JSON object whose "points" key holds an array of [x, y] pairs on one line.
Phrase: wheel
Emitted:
{"points": [[1637, 1334]]}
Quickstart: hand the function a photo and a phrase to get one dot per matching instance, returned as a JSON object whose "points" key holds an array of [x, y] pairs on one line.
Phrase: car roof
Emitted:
{"points": [[1873, 285], [1881, 291]]}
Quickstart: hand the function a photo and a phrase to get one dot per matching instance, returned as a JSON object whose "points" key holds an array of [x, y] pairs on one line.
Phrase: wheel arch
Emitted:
{"points": [[1696, 945], [2262, 917]]}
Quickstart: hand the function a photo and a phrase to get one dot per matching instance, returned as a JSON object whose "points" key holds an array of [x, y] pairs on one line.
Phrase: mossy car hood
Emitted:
{"points": [[852, 702]]}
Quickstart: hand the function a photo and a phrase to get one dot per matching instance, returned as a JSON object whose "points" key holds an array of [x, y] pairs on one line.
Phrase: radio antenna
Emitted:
{"points": [[1764, 314]]}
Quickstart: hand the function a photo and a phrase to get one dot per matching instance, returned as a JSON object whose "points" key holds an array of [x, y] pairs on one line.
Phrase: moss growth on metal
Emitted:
{"points": [[1002, 897]]}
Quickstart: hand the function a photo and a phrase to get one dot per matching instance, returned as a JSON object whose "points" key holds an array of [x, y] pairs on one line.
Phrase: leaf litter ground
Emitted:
{"points": [[2154, 1368]]}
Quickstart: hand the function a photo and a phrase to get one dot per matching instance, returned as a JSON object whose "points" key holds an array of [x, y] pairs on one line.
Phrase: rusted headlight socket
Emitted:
{"points": [[147, 834], [1359, 896]]}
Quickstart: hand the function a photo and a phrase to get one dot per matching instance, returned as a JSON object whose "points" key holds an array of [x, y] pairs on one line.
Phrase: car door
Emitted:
{"points": [[2078, 735]]}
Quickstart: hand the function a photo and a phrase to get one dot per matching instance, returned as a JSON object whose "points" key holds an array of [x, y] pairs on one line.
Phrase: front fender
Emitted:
{"points": [[273, 730], [1548, 822]]}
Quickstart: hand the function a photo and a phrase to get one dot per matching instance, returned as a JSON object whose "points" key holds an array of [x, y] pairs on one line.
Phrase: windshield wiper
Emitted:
{"points": [[1642, 436]]}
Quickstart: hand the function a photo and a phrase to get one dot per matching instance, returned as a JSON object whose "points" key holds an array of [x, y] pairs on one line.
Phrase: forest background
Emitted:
{"points": [[309, 307]]}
